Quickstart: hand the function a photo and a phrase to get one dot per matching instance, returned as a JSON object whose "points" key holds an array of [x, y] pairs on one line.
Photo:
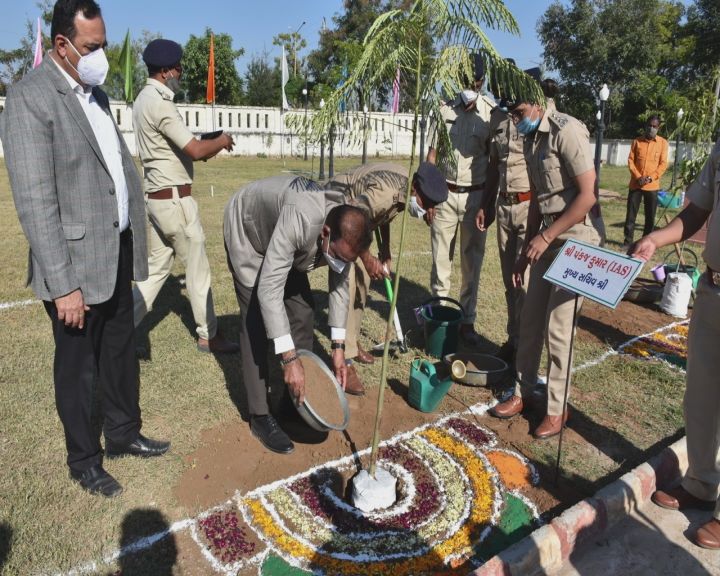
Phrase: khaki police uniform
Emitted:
{"points": [[175, 228], [555, 154], [511, 209], [702, 393], [380, 190], [470, 136]]}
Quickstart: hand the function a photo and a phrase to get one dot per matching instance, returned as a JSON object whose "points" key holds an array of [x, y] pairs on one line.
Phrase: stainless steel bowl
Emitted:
{"points": [[306, 411]]}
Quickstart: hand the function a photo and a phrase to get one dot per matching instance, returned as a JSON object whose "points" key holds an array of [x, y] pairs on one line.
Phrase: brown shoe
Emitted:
{"points": [[708, 535], [507, 409], [217, 345], [353, 384], [550, 426], [364, 357], [679, 499]]}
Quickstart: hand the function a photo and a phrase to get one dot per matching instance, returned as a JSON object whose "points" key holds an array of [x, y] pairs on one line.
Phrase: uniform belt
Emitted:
{"points": [[515, 197], [713, 277], [464, 189], [548, 219], [167, 193]]}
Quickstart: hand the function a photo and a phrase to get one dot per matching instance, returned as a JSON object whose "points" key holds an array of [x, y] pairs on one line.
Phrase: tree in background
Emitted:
{"points": [[228, 84], [115, 82], [397, 40], [339, 48], [703, 25], [623, 43], [15, 63], [293, 43], [262, 82]]}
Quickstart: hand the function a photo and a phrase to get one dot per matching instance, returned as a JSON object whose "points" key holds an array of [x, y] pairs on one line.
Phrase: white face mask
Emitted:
{"points": [[415, 210], [92, 68], [173, 83], [335, 264], [468, 96]]}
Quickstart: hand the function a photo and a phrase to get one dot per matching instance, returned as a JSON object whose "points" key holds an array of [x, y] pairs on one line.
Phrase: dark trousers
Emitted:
{"points": [[254, 343], [633, 205], [96, 367]]}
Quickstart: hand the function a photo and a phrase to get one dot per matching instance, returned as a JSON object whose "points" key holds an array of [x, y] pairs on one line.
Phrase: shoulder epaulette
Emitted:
{"points": [[559, 119]]}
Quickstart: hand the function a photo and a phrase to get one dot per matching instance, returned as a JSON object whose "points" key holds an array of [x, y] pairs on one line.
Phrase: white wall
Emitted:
{"points": [[262, 131]]}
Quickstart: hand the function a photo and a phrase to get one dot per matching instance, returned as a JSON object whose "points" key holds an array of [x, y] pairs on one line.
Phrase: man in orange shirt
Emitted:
{"points": [[647, 163]]}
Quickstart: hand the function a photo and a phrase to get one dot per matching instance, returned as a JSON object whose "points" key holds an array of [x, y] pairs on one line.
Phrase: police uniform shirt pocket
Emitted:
{"points": [[551, 173]]}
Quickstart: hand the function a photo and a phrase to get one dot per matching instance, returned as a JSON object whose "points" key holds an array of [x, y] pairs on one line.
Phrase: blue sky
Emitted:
{"points": [[251, 23]]}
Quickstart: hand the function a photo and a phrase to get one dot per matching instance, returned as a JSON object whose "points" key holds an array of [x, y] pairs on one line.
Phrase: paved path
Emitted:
{"points": [[649, 542]]}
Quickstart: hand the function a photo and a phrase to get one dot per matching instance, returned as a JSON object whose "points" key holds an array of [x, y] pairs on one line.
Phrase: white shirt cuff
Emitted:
{"points": [[337, 333], [283, 343]]}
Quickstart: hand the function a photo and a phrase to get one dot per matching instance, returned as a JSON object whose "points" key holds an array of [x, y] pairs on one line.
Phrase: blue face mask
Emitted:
{"points": [[527, 126]]}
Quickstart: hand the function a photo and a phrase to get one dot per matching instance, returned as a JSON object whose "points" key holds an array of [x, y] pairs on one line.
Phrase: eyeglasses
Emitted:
{"points": [[517, 113]]}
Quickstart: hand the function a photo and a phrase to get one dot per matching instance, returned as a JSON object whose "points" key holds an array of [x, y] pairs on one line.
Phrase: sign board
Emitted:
{"points": [[596, 273]]}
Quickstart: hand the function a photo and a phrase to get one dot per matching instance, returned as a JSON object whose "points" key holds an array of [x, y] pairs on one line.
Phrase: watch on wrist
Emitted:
{"points": [[337, 346], [285, 361]]}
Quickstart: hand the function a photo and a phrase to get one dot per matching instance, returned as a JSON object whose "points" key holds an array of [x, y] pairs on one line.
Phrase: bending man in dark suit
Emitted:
{"points": [[80, 204], [276, 231]]}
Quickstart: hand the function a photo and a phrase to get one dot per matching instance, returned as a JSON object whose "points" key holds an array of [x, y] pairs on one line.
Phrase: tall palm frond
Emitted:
{"points": [[432, 44]]}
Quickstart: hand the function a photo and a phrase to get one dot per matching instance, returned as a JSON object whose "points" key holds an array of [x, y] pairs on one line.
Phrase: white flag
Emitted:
{"points": [[285, 78]]}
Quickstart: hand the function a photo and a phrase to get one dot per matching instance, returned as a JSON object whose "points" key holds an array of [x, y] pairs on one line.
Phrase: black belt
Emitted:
{"points": [[464, 189]]}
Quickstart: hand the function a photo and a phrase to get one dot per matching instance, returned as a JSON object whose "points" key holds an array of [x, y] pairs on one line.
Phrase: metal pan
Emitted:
{"points": [[476, 369]]}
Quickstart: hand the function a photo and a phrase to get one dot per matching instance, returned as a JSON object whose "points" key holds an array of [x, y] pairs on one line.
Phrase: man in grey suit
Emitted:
{"points": [[276, 231], [79, 200]]}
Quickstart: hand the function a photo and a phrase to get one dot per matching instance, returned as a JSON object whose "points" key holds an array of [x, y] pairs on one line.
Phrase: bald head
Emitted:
{"points": [[351, 225]]}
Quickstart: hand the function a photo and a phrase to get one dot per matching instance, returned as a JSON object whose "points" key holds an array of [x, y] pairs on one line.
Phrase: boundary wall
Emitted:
{"points": [[261, 131]]}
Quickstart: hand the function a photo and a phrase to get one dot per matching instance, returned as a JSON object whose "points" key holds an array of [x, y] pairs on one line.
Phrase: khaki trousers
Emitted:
{"points": [[175, 230], [359, 286], [511, 222], [702, 396], [459, 209], [547, 318]]}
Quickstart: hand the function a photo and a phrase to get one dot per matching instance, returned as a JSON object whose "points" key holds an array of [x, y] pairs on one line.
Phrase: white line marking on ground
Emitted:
{"points": [[18, 304], [478, 409]]}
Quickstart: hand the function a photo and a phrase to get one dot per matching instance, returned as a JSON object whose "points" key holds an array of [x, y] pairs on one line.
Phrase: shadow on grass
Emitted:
{"points": [[169, 300], [570, 487], [6, 537], [147, 546]]}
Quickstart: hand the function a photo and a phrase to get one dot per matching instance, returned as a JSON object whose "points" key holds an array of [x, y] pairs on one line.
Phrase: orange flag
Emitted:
{"points": [[211, 72]]}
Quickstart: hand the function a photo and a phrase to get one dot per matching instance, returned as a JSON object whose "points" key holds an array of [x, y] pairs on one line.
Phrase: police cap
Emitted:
{"points": [[430, 182], [162, 53]]}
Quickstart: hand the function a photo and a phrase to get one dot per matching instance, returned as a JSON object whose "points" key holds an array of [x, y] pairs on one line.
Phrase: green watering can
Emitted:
{"points": [[426, 389]]}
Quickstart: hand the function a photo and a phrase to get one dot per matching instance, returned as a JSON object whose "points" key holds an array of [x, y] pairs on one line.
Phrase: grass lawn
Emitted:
{"points": [[48, 524]]}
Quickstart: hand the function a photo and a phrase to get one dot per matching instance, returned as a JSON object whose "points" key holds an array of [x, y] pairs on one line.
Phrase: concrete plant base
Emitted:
{"points": [[370, 494]]}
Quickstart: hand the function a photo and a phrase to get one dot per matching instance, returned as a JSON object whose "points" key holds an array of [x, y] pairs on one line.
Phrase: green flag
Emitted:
{"points": [[127, 65]]}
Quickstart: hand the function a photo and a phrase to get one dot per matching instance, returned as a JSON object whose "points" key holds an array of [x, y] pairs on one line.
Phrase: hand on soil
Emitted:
{"points": [[294, 376]]}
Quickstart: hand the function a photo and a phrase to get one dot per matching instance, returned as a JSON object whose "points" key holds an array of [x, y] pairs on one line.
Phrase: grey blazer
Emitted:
{"points": [[273, 225], [63, 191]]}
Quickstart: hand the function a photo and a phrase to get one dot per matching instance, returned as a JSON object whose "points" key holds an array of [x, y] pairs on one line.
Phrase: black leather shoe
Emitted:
{"points": [[97, 481], [142, 447], [266, 429]]}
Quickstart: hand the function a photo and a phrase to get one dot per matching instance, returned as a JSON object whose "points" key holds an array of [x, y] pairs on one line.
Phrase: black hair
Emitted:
{"points": [[653, 117], [64, 13], [352, 225], [549, 87]]}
